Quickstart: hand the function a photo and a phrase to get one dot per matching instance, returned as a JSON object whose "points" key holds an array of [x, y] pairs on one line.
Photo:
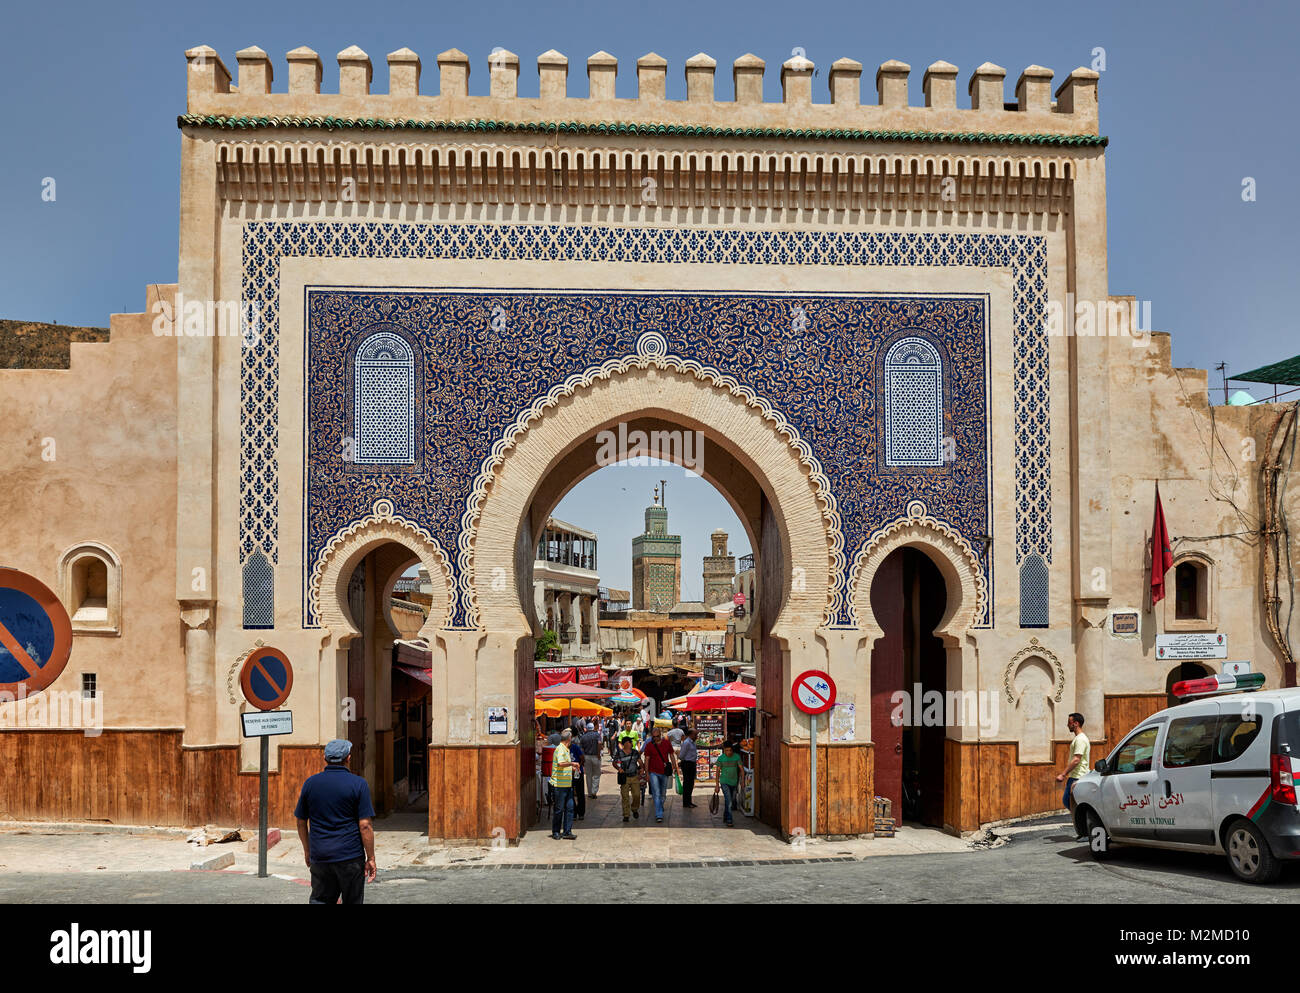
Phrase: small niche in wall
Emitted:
{"points": [[90, 587]]}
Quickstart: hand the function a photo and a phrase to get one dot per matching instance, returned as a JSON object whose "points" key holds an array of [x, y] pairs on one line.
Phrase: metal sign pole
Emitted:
{"points": [[261, 810], [812, 833]]}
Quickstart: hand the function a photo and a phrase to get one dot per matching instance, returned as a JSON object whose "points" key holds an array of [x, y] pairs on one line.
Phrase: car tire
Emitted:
{"points": [[1093, 824], [1248, 852]]}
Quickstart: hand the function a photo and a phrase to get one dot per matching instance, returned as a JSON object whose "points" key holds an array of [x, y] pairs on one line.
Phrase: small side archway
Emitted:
{"points": [[351, 587], [916, 593]]}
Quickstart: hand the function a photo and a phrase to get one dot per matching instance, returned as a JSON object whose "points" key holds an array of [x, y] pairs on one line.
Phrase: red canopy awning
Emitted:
{"points": [[554, 676], [718, 700], [590, 674], [423, 675]]}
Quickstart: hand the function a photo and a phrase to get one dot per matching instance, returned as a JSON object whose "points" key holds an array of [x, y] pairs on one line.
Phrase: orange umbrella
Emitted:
{"points": [[561, 707]]}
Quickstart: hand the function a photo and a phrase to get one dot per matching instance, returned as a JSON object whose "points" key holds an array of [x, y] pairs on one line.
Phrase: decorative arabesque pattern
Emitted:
{"points": [[493, 362], [384, 401], [913, 404], [265, 243]]}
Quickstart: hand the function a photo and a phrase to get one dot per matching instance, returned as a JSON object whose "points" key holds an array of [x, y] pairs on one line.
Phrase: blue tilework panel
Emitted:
{"points": [[477, 378], [265, 243]]}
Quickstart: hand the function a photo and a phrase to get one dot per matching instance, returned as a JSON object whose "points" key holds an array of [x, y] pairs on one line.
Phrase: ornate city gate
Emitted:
{"points": [[443, 318]]}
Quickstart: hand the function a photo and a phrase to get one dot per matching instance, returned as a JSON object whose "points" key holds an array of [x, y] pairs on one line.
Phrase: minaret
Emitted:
{"points": [[719, 571], [656, 560]]}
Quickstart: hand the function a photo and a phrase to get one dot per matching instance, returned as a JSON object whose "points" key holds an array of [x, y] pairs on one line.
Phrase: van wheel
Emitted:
{"points": [[1249, 855], [1098, 839]]}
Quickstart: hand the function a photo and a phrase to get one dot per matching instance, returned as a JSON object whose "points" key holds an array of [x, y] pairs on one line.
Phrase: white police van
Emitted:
{"points": [[1209, 775]]}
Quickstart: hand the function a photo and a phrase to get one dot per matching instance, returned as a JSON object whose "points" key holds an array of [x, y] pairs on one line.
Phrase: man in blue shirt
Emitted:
{"points": [[334, 824]]}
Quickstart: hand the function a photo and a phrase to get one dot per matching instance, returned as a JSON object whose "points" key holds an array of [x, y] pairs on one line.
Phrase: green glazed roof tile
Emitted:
{"points": [[222, 122]]}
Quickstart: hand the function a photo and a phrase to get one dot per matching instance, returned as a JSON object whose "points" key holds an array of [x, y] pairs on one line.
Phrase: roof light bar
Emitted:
{"points": [[1219, 684]]}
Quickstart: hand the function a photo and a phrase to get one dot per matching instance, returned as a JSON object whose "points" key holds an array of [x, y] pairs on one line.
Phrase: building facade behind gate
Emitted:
{"points": [[403, 321]]}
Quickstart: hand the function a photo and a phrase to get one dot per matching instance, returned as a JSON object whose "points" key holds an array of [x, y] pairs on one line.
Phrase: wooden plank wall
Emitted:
{"points": [[122, 777], [142, 777], [844, 788], [1123, 714], [474, 789], [145, 777], [987, 782], [216, 792]]}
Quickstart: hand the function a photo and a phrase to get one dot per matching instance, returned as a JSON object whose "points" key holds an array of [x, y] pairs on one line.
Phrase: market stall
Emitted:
{"points": [[722, 715]]}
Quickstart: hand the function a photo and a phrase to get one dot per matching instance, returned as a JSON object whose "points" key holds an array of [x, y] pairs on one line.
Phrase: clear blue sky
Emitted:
{"points": [[612, 502], [1195, 96]]}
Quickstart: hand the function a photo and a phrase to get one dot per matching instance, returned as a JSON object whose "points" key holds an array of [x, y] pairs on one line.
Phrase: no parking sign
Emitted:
{"points": [[35, 634], [266, 678]]}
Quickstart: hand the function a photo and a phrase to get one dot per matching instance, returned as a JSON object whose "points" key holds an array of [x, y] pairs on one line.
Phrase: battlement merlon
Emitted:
{"points": [[1073, 112]]}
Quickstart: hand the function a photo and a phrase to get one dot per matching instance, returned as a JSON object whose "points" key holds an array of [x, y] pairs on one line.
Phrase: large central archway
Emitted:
{"points": [[755, 461]]}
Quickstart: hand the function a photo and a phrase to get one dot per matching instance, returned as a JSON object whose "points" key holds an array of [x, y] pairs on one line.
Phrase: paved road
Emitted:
{"points": [[1043, 865]]}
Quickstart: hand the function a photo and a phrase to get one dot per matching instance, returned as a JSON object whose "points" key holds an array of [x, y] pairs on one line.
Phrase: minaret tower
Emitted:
{"points": [[656, 559]]}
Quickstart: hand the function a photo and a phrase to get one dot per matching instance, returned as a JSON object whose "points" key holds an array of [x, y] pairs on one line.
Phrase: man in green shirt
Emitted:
{"points": [[731, 777], [1080, 753]]}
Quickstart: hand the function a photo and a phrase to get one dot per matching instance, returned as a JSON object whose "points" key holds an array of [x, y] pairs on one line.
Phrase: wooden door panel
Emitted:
{"points": [[886, 679]]}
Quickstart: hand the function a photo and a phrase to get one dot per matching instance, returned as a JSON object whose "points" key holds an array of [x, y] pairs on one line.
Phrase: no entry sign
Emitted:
{"points": [[35, 634], [266, 678], [813, 692]]}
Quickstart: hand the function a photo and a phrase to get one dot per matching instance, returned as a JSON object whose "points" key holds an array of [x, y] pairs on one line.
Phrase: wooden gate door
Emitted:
{"points": [[357, 671], [886, 679]]}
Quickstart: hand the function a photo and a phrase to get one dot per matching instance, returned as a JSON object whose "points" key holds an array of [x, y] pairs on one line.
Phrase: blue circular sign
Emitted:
{"points": [[35, 634], [266, 678]]}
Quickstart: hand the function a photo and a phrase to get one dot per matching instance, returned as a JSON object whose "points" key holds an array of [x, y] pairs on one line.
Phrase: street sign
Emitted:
{"points": [[264, 722], [813, 692], [1192, 646], [738, 599], [266, 678], [35, 634]]}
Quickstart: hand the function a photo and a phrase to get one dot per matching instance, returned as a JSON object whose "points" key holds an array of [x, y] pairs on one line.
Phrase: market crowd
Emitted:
{"points": [[645, 757]]}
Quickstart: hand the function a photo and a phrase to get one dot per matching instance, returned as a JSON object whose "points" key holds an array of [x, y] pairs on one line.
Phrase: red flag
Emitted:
{"points": [[1162, 556]]}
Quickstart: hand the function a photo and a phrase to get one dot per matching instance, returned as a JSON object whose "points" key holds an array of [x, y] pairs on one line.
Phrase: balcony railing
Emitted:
{"points": [[746, 562]]}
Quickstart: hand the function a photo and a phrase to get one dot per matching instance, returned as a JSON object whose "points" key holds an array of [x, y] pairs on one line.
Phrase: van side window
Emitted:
{"points": [[1190, 741], [1135, 754], [1236, 733]]}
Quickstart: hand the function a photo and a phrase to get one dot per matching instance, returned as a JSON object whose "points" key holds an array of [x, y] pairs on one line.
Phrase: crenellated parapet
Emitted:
{"points": [[1033, 114]]}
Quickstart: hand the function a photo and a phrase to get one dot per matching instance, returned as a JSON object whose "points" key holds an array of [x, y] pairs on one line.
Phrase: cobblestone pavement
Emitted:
{"points": [[685, 836], [1041, 864]]}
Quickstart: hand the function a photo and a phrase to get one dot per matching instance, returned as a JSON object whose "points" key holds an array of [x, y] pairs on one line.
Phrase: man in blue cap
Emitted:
{"points": [[334, 824]]}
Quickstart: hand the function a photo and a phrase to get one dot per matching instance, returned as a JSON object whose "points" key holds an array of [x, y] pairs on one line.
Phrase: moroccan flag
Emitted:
{"points": [[1162, 556]]}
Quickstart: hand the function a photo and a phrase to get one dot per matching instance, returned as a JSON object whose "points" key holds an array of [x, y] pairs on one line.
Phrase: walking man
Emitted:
{"points": [[1080, 752], [661, 763], [334, 825], [590, 742], [731, 777], [562, 768], [579, 758], [687, 758], [627, 763]]}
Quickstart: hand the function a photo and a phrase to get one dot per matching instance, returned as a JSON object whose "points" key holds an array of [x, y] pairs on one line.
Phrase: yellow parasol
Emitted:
{"points": [[561, 707]]}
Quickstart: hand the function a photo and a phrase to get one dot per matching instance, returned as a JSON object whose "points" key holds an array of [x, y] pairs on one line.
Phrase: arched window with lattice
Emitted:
{"points": [[1033, 592], [259, 592], [383, 397], [913, 404]]}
